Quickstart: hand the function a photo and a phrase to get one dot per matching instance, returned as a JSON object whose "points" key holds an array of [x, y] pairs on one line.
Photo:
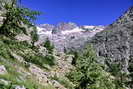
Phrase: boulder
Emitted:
{"points": [[20, 87], [2, 70], [57, 85], [4, 82]]}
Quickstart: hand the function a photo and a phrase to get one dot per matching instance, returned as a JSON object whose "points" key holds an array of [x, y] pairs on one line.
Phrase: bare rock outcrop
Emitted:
{"points": [[2, 70], [114, 45]]}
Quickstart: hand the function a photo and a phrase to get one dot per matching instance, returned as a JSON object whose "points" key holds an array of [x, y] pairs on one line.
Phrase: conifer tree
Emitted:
{"points": [[34, 36], [49, 46], [89, 74], [15, 17]]}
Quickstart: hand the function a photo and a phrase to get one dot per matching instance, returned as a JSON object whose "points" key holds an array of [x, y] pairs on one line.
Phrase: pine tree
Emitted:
{"points": [[47, 44], [34, 36], [88, 74], [76, 55], [15, 17]]}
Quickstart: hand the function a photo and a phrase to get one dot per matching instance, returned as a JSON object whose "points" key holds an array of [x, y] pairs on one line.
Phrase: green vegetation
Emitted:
{"points": [[76, 55], [15, 18], [17, 78], [49, 87], [47, 44], [88, 74], [121, 77], [63, 81], [25, 50], [34, 36]]}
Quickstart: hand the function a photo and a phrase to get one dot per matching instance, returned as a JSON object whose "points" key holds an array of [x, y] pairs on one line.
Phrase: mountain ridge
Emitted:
{"points": [[65, 35]]}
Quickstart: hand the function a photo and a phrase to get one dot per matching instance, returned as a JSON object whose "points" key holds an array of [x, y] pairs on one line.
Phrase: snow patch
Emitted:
{"points": [[72, 31], [89, 27], [42, 31]]}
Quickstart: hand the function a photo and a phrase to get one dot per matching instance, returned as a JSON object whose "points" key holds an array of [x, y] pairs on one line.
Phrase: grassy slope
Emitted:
{"points": [[13, 66]]}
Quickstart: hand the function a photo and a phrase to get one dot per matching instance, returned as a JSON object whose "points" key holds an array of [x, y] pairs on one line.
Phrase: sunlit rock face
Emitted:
{"points": [[115, 43], [67, 36]]}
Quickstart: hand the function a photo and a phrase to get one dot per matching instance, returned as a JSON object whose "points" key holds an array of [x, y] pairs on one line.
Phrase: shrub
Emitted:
{"points": [[76, 55], [89, 74], [40, 60], [34, 36], [47, 44], [64, 81]]}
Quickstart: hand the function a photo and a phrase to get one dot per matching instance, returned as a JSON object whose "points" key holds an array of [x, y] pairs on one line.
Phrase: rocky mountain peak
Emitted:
{"points": [[68, 35], [66, 26], [62, 28], [46, 27]]}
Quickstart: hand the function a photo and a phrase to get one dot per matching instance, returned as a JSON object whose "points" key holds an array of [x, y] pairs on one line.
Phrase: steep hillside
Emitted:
{"points": [[114, 45], [25, 67]]}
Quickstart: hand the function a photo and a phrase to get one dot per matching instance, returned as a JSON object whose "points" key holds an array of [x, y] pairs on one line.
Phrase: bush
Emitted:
{"points": [[40, 60], [89, 74], [50, 59], [63, 81], [34, 36], [47, 44], [76, 55]]}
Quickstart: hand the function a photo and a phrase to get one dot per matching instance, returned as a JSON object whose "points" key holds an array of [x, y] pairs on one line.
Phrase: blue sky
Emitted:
{"points": [[82, 12]]}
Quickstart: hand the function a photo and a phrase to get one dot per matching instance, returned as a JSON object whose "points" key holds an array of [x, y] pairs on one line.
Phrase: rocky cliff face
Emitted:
{"points": [[68, 35], [114, 45]]}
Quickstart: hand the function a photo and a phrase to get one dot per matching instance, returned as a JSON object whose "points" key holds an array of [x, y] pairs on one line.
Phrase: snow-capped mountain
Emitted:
{"points": [[67, 35]]}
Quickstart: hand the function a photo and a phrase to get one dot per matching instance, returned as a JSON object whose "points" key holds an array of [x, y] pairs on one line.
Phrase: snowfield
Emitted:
{"points": [[75, 30]]}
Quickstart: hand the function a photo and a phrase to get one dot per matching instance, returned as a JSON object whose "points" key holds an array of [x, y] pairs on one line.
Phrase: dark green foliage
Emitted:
{"points": [[47, 44], [89, 74], [40, 60], [15, 17], [76, 55], [115, 69], [130, 83], [65, 50], [50, 60], [121, 78], [130, 67], [25, 50], [2, 86], [34, 36]]}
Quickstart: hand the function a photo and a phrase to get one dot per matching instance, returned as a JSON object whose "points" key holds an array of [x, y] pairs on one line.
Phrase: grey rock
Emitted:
{"points": [[46, 27], [23, 37], [4, 82], [69, 36], [57, 85], [114, 44], [20, 87], [39, 74], [2, 70]]}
